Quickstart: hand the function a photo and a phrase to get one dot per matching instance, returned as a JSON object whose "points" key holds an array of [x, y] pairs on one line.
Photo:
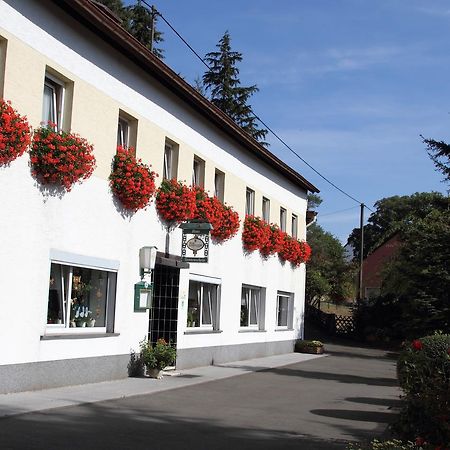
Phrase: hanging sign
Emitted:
{"points": [[195, 242]]}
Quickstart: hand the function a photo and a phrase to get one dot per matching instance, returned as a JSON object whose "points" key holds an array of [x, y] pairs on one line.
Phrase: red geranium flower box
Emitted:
{"points": [[175, 202]]}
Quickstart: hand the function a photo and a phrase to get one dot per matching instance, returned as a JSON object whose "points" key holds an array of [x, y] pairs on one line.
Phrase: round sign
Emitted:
{"points": [[195, 244]]}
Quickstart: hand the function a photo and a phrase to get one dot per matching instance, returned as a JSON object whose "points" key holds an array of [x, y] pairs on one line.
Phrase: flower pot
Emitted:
{"points": [[153, 372], [312, 350]]}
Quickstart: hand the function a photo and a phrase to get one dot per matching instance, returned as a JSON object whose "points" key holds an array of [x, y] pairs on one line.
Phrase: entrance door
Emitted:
{"points": [[164, 311]]}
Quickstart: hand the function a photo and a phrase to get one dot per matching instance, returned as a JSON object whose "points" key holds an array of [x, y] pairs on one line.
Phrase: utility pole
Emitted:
{"points": [[361, 256], [153, 28]]}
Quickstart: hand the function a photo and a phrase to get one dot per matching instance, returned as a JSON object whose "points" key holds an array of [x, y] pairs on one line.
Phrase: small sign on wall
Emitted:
{"points": [[143, 295], [195, 242]]}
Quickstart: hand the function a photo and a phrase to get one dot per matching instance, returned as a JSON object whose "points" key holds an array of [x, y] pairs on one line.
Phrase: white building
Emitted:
{"points": [[73, 56]]}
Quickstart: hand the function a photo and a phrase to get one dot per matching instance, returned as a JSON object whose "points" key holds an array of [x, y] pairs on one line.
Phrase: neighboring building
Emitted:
{"points": [[374, 264], [70, 61]]}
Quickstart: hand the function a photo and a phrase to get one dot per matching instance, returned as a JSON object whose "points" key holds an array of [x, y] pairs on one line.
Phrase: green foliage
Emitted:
{"points": [[328, 274], [223, 83], [314, 201], [424, 375], [395, 214], [393, 444], [305, 344], [158, 356], [439, 152]]}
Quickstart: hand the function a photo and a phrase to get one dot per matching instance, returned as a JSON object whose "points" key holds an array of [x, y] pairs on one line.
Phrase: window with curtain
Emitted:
{"points": [[203, 305], [53, 102], [285, 309], [266, 209], [251, 307], [249, 202], [283, 219]]}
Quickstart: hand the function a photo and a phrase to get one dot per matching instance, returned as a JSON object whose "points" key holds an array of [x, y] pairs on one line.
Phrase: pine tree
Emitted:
{"points": [[226, 92]]}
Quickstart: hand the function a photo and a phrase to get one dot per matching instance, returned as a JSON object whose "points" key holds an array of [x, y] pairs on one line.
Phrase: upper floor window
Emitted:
{"points": [[3, 43], [198, 172], [80, 297], [252, 308], [219, 185], [284, 310], [294, 230], [126, 130], [53, 102], [266, 209], [283, 219], [203, 305], [170, 160], [249, 202]]}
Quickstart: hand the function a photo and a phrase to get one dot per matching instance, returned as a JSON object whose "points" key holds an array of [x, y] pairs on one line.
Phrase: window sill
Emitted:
{"points": [[284, 329], [202, 331], [252, 330], [52, 337]]}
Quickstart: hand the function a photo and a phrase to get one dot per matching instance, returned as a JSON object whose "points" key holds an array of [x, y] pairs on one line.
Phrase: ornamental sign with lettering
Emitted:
{"points": [[195, 242]]}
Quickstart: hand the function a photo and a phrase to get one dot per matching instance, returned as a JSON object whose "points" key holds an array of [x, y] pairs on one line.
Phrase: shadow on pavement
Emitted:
{"points": [[376, 401], [360, 416]]}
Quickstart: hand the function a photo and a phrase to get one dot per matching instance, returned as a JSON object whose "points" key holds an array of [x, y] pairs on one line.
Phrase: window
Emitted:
{"points": [[126, 130], [170, 160], [250, 202], [294, 227], [2, 64], [282, 219], [53, 102], [266, 209], [198, 172], [252, 307], [219, 185], [203, 305], [284, 310], [80, 297]]}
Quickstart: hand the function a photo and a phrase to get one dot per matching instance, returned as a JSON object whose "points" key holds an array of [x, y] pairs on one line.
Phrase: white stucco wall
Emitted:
{"points": [[86, 221]]}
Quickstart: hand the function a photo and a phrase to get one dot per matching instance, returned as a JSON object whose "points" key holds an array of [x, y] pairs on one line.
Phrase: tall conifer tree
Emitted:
{"points": [[226, 92]]}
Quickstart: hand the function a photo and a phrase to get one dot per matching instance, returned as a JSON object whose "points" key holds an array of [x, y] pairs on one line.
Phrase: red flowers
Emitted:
{"points": [[417, 344], [269, 239], [14, 133], [61, 158], [175, 202], [132, 181]]}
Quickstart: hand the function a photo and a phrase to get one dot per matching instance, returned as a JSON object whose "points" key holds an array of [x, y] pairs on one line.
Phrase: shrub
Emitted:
{"points": [[131, 181], [393, 444], [424, 375], [14, 133], [158, 356], [60, 158]]}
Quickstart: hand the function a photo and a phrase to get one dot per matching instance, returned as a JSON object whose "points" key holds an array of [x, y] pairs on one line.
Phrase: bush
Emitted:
{"points": [[393, 444], [424, 375]]}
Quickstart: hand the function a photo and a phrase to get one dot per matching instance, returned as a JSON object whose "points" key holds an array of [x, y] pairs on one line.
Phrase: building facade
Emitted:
{"points": [[69, 62]]}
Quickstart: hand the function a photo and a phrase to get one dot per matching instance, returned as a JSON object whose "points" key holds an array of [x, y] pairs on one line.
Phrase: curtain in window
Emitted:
{"points": [[254, 307], [49, 104]]}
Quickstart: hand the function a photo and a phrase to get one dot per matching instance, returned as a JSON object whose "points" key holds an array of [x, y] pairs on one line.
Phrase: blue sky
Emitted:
{"points": [[349, 84]]}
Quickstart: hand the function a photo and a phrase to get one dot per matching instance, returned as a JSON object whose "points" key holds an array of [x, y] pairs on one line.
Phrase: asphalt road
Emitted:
{"points": [[318, 404]]}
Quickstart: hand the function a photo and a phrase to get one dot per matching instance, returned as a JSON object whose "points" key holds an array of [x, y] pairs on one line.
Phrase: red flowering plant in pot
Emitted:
{"points": [[275, 242], [255, 234], [15, 135], [131, 181], [175, 202], [224, 220], [60, 158], [294, 251]]}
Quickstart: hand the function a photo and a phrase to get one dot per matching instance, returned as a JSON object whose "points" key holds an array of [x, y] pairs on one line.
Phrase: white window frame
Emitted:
{"points": [[123, 132], [214, 310], [249, 202], [294, 226], [58, 88], [219, 185], [289, 313], [283, 216], [266, 209], [198, 172], [259, 305], [71, 261]]}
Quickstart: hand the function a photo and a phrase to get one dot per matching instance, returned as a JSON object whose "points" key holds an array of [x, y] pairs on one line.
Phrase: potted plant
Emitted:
{"points": [[312, 347], [157, 357]]}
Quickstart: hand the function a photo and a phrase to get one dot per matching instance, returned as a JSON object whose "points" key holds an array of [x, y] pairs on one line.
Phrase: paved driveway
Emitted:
{"points": [[317, 404]]}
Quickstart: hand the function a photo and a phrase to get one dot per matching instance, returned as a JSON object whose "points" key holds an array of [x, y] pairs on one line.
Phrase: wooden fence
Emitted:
{"points": [[332, 324]]}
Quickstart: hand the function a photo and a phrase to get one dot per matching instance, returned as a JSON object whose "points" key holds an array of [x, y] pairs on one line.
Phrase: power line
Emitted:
{"points": [[340, 211], [255, 115]]}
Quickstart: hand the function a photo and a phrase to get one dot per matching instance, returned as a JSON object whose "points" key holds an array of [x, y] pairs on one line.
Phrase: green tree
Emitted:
{"points": [[223, 83], [439, 152], [328, 273], [394, 214]]}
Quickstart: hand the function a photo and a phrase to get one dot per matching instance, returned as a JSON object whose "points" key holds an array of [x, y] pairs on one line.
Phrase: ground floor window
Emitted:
{"points": [[81, 297], [284, 309], [252, 311], [203, 305]]}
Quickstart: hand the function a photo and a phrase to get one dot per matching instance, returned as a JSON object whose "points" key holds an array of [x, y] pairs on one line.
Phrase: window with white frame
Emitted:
{"points": [[80, 297], [294, 226], [219, 185], [170, 160], [198, 172], [252, 307], [249, 202], [123, 133], [284, 310], [266, 209], [203, 305], [3, 43], [53, 102], [283, 219]]}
